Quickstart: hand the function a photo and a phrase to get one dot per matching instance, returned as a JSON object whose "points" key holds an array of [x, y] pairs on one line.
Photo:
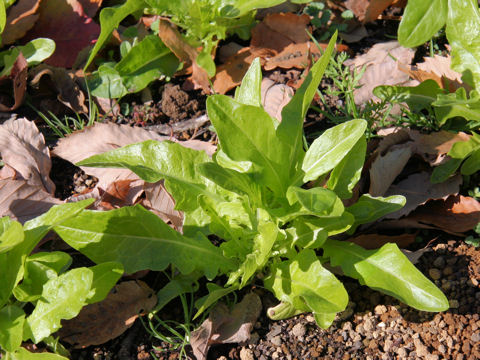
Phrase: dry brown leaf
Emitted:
{"points": [[355, 35], [385, 168], [224, 327], [61, 83], [275, 97], [23, 201], [18, 76], [121, 193], [437, 68], [418, 189], [159, 201], [280, 30], [376, 241], [367, 10], [100, 322], [381, 68], [21, 17], [23, 148], [172, 38]]}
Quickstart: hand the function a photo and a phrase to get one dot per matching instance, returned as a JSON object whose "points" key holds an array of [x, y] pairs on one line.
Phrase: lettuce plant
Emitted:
{"points": [[43, 280], [260, 196]]}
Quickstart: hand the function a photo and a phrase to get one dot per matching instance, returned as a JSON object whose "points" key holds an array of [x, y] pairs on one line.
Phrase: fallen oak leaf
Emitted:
{"points": [[368, 10], [418, 189], [222, 326], [23, 148], [100, 322]]}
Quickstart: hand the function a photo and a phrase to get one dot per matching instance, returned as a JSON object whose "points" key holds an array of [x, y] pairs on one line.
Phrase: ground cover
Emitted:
{"points": [[381, 179]]}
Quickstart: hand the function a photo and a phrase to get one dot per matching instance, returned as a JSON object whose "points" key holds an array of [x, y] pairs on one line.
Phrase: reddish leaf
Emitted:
{"points": [[90, 7], [20, 18], [65, 22], [367, 10], [18, 75]]}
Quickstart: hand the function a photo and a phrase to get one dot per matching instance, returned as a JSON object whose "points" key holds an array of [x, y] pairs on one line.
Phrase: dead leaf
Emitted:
{"points": [[224, 327], [376, 241], [414, 256], [100, 322], [172, 38], [23, 201], [367, 10], [65, 22], [275, 97], [385, 168], [437, 68], [21, 17], [159, 201], [418, 189], [381, 68], [121, 193], [23, 148], [61, 82], [18, 76], [355, 35]]}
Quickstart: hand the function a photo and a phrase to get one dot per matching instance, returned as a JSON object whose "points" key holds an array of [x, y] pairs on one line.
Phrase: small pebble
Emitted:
{"points": [[439, 262], [435, 274], [299, 330], [475, 337], [448, 271], [246, 354]]}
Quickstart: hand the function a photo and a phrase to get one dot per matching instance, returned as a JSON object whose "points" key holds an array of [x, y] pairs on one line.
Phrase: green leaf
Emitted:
{"points": [[463, 34], [347, 173], [421, 20], [389, 271], [324, 320], [3, 16], [232, 180], [40, 268], [153, 161], [11, 233], [215, 293], [249, 91], [110, 19], [328, 150], [472, 164], [283, 310], [24, 354], [106, 82], [139, 240], [12, 319], [318, 201], [417, 97], [37, 50], [148, 61], [369, 208], [448, 106], [247, 133], [307, 285], [105, 276], [62, 298], [445, 170], [290, 130], [181, 284]]}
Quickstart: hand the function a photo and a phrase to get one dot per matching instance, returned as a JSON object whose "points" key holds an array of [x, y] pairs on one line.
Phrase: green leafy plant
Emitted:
{"points": [[474, 240], [422, 20], [204, 23], [43, 280], [321, 15], [256, 195]]}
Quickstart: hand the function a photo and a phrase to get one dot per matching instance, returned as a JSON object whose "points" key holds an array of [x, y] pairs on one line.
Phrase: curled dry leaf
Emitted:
{"points": [[21, 17], [159, 201], [65, 22], [22, 147], [418, 189], [376, 241], [18, 76], [275, 97], [223, 327], [61, 82], [381, 68], [100, 322]]}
